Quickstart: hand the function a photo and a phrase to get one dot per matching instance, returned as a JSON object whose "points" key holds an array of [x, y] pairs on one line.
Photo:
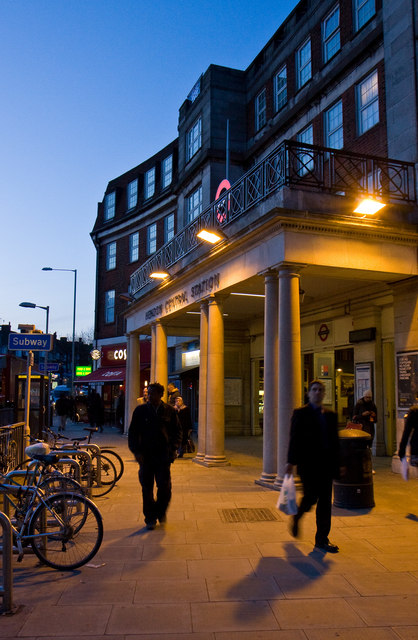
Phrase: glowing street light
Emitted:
{"points": [[369, 206]]}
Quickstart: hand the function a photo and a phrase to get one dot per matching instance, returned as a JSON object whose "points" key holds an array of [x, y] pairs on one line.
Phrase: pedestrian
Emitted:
{"points": [[144, 398], [95, 410], [185, 419], [120, 411], [314, 448], [62, 408], [154, 436], [365, 413], [410, 434], [173, 393]]}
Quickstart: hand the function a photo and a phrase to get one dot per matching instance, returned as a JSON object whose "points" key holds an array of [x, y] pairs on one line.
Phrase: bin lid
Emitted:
{"points": [[353, 433]]}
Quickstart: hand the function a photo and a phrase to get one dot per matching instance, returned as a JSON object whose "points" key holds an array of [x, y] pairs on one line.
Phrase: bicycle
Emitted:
{"points": [[64, 529]]}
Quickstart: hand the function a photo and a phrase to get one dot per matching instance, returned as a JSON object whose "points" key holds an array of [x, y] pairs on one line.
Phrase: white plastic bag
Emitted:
{"points": [[404, 468], [287, 497]]}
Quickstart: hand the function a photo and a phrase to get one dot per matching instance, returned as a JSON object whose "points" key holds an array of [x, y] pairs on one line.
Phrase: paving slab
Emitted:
{"points": [[233, 616]]}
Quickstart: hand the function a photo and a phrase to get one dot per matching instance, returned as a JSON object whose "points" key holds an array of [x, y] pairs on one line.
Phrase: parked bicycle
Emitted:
{"points": [[65, 530]]}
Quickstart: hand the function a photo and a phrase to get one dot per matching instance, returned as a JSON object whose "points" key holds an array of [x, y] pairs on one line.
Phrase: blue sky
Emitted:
{"points": [[91, 88]]}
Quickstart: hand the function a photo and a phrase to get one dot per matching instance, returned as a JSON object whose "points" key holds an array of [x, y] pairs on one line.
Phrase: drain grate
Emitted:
{"points": [[247, 515]]}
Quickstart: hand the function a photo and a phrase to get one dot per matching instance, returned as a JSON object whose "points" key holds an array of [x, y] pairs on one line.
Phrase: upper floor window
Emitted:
{"points": [[194, 139], [150, 183], [152, 239], [109, 205], [194, 204], [132, 194], [334, 126], [303, 64], [169, 227], [331, 34], [305, 160], [260, 110], [110, 306], [134, 247], [363, 11], [167, 171], [111, 256], [368, 103], [280, 89]]}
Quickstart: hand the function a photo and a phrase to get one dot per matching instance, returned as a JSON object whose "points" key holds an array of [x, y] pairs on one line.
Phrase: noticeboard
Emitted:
{"points": [[407, 378]]}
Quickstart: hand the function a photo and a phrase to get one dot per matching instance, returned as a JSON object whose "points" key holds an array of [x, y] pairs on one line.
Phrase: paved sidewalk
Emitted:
{"points": [[203, 578]]}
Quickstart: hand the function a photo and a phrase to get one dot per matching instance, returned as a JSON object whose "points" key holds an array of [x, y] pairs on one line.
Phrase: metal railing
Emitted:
{"points": [[290, 164], [14, 433]]}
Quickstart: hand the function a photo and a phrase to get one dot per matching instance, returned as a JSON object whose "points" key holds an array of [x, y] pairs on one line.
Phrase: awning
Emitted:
{"points": [[104, 374]]}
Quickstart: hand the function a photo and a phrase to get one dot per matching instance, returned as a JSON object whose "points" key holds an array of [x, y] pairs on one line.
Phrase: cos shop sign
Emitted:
{"points": [[113, 355]]}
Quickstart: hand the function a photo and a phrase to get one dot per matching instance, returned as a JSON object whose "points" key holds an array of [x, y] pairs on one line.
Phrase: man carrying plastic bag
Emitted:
{"points": [[287, 497], [314, 448]]}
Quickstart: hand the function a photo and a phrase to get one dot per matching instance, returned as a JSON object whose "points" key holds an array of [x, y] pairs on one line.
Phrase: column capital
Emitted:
{"points": [[290, 267], [271, 271]]}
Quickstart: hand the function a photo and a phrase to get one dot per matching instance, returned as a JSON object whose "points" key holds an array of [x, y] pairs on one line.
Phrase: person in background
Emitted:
{"points": [[365, 412], [120, 411], [95, 410], [144, 398], [154, 436], [314, 448], [63, 410], [410, 434], [173, 393], [185, 419]]}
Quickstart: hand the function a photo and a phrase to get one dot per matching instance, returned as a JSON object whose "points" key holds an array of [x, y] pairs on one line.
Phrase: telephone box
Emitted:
{"points": [[38, 402]]}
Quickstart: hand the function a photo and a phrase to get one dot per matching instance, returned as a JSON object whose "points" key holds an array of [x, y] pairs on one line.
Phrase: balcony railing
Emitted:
{"points": [[290, 164]]}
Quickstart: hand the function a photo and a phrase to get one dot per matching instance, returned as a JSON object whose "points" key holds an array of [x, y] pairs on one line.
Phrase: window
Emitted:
{"points": [[280, 89], [334, 126], [110, 306], [133, 247], [167, 171], [260, 110], [152, 239], [132, 194], [194, 139], [194, 204], [303, 64], [331, 34], [368, 103], [111, 256], [169, 227], [306, 162], [150, 183], [363, 11], [109, 205]]}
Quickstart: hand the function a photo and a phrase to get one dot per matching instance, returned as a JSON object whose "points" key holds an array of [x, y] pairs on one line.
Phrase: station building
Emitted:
{"points": [[301, 283]]}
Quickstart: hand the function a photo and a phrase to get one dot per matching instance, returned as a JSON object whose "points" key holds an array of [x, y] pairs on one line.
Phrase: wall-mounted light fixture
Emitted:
{"points": [[211, 234], [369, 206], [159, 275]]}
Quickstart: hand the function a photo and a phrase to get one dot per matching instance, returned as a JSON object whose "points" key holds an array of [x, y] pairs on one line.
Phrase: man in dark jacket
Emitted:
{"points": [[154, 436], [411, 427], [365, 412], [314, 448], [173, 393]]}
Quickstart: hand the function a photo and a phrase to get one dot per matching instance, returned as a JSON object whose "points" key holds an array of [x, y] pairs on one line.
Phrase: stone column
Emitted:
{"points": [[161, 358], [289, 382], [215, 402], [132, 389], [269, 472], [203, 374]]}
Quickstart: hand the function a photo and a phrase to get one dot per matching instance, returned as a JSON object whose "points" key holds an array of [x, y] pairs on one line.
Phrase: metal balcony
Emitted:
{"points": [[290, 164]]}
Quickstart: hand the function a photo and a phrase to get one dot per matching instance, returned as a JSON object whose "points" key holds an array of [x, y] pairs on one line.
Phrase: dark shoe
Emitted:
{"points": [[151, 525], [294, 527], [327, 547], [162, 519]]}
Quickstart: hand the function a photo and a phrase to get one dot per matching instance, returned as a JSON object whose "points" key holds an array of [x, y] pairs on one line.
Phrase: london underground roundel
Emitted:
{"points": [[221, 207]]}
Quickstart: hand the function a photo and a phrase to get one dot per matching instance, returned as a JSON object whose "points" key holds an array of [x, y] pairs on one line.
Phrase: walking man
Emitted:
{"points": [[154, 436], [314, 448]]}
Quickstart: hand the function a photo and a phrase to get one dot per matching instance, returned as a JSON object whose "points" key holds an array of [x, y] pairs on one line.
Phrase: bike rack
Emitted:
{"points": [[62, 453], [6, 590]]}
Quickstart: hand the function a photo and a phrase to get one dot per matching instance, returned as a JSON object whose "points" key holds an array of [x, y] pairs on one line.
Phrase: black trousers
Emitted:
{"points": [[317, 489], [156, 471]]}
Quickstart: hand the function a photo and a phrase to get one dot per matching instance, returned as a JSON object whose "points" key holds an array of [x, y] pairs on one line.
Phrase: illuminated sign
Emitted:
{"points": [[190, 358], [113, 355], [82, 371], [221, 206]]}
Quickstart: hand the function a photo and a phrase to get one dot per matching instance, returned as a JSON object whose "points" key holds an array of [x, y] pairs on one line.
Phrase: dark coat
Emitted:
{"points": [[410, 432], [367, 422], [154, 434], [310, 448]]}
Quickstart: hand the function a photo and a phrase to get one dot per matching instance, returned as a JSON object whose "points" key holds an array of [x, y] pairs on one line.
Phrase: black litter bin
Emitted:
{"points": [[354, 489]]}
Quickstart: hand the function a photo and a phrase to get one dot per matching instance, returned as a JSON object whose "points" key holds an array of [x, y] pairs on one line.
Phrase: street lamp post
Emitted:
{"points": [[74, 271], [32, 305]]}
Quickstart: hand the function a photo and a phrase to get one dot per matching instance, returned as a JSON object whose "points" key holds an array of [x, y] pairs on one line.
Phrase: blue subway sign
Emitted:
{"points": [[30, 341]]}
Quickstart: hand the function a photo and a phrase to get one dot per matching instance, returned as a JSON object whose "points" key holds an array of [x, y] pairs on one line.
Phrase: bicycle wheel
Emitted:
{"points": [[104, 477], [117, 461], [57, 482], [72, 528]]}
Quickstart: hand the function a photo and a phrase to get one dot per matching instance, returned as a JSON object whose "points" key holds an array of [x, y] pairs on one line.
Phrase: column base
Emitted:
{"points": [[266, 480], [199, 457], [212, 461]]}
